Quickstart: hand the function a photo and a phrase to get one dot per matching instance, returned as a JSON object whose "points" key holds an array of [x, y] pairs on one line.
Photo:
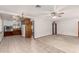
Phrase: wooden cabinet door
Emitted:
{"points": [[8, 33], [28, 30], [16, 32]]}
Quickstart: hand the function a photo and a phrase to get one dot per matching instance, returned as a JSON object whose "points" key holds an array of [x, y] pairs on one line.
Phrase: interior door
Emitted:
{"points": [[28, 27]]}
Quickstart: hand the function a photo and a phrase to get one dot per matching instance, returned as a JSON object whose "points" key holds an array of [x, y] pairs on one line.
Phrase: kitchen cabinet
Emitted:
{"points": [[11, 33]]}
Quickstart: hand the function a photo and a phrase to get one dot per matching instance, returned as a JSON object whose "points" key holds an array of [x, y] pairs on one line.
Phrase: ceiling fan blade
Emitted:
{"points": [[63, 8], [54, 9], [61, 13], [59, 16], [53, 12]]}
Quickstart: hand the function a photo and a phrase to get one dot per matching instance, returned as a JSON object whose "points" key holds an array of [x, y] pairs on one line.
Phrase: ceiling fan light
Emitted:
{"points": [[15, 17], [54, 17], [62, 13]]}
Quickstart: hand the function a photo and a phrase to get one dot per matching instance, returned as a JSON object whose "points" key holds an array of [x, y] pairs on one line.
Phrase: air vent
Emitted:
{"points": [[38, 6]]}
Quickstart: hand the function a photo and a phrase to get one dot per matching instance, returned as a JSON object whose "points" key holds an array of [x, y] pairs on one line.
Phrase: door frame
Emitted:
{"points": [[78, 28], [54, 28]]}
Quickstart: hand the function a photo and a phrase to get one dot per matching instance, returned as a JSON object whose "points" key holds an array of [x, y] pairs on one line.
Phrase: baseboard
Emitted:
{"points": [[42, 36], [67, 35]]}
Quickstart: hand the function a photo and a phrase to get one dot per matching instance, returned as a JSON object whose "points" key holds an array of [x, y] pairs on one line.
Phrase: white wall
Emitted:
{"points": [[68, 26], [1, 29], [43, 26], [0, 25]]}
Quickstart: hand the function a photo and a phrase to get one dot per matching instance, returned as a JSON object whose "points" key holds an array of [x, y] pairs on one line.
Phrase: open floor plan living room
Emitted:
{"points": [[39, 28]]}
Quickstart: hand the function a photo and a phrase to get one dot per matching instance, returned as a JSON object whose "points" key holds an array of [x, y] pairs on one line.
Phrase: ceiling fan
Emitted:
{"points": [[55, 13], [52, 12], [19, 17]]}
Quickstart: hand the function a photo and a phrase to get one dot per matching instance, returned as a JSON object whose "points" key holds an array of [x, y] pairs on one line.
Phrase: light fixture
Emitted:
{"points": [[18, 17], [54, 17], [15, 17], [56, 14]]}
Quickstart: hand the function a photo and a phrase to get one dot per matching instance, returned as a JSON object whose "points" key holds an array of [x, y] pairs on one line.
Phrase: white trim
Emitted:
{"points": [[5, 12]]}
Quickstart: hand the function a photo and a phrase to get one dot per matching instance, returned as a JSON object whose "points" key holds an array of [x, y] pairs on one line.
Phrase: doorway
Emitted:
{"points": [[54, 28], [28, 28], [78, 28]]}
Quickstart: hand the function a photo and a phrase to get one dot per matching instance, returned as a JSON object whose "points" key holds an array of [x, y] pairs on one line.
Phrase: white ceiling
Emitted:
{"points": [[32, 11]]}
